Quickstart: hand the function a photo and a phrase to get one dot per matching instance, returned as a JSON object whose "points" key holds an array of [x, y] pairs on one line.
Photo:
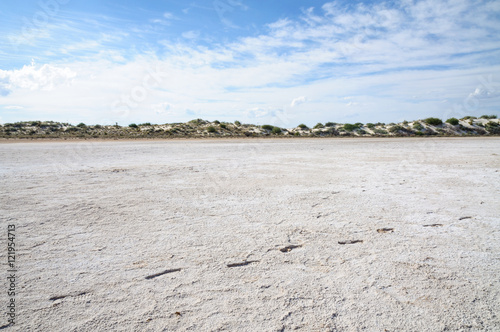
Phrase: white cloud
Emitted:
{"points": [[482, 92], [297, 101], [165, 19], [261, 113], [163, 108], [85, 45], [191, 34], [46, 77], [168, 16]]}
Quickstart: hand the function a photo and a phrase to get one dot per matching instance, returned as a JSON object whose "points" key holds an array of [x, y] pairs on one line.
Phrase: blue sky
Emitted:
{"points": [[277, 62]]}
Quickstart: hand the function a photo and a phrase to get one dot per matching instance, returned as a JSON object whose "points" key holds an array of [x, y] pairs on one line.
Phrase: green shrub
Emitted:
{"points": [[267, 127], [494, 131], [488, 117], [197, 122], [303, 126], [395, 129], [133, 125], [493, 128], [224, 126], [81, 125], [276, 130], [237, 123], [468, 117], [405, 122], [36, 123], [418, 126], [370, 125], [216, 122], [211, 129], [480, 131], [332, 131], [97, 126], [380, 131], [433, 121], [330, 124], [145, 124], [319, 125], [350, 127], [452, 121], [358, 124]]}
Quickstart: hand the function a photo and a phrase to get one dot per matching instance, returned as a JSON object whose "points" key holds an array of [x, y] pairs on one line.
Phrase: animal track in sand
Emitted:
{"points": [[434, 225]]}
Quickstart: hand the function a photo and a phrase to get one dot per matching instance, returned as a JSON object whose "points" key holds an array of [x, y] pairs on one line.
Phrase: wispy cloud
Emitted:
{"points": [[297, 101], [191, 34]]}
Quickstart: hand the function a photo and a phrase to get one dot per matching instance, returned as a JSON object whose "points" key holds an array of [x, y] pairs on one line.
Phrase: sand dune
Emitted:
{"points": [[397, 234]]}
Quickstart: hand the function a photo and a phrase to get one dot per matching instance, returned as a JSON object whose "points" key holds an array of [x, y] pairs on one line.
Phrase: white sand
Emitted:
{"points": [[94, 219]]}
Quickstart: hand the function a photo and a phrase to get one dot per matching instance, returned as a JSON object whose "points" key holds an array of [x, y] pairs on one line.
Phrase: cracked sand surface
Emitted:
{"points": [[244, 235]]}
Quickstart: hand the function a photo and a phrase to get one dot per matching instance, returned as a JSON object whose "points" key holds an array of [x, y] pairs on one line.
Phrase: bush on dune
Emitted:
{"points": [[433, 121], [350, 127]]}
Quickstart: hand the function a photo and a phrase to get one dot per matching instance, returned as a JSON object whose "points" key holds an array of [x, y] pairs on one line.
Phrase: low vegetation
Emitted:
{"points": [[351, 127], [276, 130], [199, 128], [418, 126], [433, 121]]}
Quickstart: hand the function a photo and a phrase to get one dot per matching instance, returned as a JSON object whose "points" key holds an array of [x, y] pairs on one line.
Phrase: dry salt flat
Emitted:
{"points": [[359, 234]]}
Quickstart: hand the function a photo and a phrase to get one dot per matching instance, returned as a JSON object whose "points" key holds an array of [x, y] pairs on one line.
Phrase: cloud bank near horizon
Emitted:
{"points": [[336, 61]]}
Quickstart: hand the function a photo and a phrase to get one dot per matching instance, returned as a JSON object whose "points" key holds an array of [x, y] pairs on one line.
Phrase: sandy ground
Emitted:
{"points": [[254, 235]]}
